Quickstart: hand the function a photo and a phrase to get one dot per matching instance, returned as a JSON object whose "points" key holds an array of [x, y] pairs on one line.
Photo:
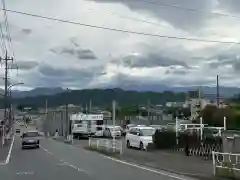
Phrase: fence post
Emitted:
{"points": [[214, 163], [121, 148], [225, 123], [89, 141], [201, 130], [176, 126], [97, 144]]}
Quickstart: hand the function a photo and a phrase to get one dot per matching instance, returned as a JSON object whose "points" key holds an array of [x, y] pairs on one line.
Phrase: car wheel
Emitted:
{"points": [[38, 146], [128, 144], [23, 147], [141, 147]]}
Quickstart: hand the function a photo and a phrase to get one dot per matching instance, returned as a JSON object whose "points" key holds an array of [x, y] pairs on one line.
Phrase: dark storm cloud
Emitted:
{"points": [[69, 74], [75, 50], [177, 71], [26, 31], [25, 65], [150, 61], [179, 18], [85, 54], [225, 59]]}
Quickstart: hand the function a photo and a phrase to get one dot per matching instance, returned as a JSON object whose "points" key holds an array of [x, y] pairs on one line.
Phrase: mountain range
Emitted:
{"points": [[207, 91]]}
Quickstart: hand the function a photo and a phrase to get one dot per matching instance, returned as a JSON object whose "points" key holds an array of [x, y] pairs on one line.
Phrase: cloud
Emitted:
{"points": [[70, 55], [47, 75], [183, 19], [177, 71], [75, 50], [25, 65], [26, 31], [149, 61]]}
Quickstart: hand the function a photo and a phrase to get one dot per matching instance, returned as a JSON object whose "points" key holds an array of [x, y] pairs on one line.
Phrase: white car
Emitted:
{"points": [[111, 131], [139, 137], [128, 126]]}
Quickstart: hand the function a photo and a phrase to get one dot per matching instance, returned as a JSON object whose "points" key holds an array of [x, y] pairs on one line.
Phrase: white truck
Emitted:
{"points": [[86, 124]]}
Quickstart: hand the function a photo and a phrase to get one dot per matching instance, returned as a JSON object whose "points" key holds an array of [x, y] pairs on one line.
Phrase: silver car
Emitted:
{"points": [[30, 139]]}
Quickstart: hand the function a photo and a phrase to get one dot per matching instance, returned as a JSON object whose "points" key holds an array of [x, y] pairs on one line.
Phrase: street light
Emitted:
{"points": [[9, 87], [10, 94]]}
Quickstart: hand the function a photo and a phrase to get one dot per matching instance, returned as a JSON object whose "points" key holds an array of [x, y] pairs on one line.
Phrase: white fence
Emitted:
{"points": [[108, 145], [226, 164]]}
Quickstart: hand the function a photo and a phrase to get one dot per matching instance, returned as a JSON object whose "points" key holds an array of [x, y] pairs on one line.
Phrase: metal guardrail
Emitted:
{"points": [[107, 144], [228, 161]]}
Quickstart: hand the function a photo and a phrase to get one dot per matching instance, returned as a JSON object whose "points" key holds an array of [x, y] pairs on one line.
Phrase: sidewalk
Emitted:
{"points": [[171, 161]]}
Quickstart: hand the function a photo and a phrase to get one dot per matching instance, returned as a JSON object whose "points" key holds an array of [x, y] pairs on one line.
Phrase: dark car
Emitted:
{"points": [[30, 139], [17, 130]]}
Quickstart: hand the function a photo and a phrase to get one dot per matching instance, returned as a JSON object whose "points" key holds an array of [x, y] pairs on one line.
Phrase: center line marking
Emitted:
{"points": [[65, 163]]}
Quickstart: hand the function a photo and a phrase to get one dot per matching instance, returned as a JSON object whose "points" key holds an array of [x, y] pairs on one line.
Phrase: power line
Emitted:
{"points": [[121, 30], [127, 17], [7, 28], [185, 8], [3, 44]]}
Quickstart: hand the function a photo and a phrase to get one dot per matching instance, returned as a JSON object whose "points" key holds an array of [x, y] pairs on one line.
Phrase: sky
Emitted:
{"points": [[55, 54]]}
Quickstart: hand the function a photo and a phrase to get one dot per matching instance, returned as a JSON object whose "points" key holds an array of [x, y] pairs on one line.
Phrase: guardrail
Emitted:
{"points": [[108, 145], [226, 164]]}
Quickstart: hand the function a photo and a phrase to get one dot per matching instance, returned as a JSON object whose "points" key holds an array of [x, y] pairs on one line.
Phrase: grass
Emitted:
{"points": [[227, 172]]}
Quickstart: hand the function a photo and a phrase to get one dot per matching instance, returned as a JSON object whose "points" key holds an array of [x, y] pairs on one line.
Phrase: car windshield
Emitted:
{"points": [[130, 125], [30, 134], [147, 132], [116, 128]]}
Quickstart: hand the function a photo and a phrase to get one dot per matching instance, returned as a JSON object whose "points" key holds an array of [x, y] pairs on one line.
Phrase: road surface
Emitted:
{"points": [[58, 161]]}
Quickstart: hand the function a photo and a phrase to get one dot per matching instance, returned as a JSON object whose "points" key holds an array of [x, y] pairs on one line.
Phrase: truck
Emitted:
{"points": [[85, 125]]}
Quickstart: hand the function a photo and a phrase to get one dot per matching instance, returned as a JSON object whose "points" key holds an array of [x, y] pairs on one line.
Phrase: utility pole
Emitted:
{"points": [[6, 60], [67, 121], [217, 92], [90, 106], [148, 109]]}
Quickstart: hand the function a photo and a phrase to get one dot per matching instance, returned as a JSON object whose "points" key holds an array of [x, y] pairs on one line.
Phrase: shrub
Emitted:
{"points": [[164, 139]]}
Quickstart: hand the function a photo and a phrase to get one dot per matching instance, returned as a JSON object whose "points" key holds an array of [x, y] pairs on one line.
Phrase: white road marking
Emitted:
{"points": [[25, 173], [146, 169], [46, 150], [65, 163], [9, 153]]}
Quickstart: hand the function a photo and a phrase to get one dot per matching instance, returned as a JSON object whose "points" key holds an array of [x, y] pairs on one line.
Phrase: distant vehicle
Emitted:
{"points": [[139, 137], [86, 124], [111, 131], [158, 127], [18, 131], [141, 125], [128, 126], [30, 139]]}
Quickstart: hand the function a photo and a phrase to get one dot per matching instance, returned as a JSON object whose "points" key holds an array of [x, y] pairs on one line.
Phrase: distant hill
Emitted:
{"points": [[207, 91], [37, 92], [100, 97]]}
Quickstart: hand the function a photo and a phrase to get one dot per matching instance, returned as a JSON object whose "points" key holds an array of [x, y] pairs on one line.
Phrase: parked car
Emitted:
{"points": [[30, 139], [139, 137], [128, 126], [111, 131]]}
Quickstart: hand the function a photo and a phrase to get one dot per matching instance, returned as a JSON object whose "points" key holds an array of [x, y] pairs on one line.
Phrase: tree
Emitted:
{"points": [[207, 114]]}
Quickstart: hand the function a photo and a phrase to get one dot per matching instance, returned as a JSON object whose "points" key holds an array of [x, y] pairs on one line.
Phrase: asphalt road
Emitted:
{"points": [[56, 160]]}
